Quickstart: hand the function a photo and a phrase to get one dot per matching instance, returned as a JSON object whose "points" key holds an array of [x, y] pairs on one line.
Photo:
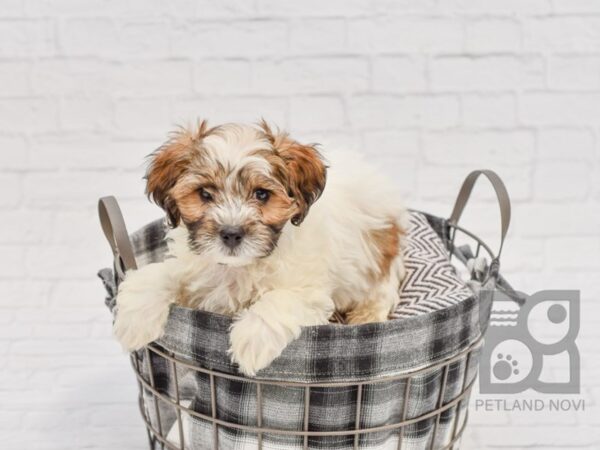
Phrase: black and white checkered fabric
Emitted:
{"points": [[437, 318]]}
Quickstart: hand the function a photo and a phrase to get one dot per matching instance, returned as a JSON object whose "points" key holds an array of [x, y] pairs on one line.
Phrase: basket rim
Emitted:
{"points": [[457, 356]]}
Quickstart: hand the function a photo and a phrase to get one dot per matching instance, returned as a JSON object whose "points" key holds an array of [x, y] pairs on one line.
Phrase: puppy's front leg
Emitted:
{"points": [[260, 333], [143, 303]]}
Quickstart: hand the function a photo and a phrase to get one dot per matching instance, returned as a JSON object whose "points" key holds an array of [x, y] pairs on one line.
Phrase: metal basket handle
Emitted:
{"points": [[116, 234], [501, 194]]}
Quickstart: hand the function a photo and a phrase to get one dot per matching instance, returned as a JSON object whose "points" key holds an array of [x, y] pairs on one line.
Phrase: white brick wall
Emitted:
{"points": [[430, 89]]}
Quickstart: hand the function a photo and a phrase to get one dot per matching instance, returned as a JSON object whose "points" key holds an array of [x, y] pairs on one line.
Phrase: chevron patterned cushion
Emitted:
{"points": [[431, 282]]}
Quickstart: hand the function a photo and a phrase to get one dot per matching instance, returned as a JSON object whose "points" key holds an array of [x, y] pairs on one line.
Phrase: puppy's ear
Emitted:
{"points": [[306, 170], [167, 164]]}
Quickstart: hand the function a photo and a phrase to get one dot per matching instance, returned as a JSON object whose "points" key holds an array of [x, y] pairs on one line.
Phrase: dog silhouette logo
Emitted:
{"points": [[532, 346]]}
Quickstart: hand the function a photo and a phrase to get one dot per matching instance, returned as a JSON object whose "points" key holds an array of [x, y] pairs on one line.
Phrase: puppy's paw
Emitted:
{"points": [[255, 343], [370, 311], [141, 317]]}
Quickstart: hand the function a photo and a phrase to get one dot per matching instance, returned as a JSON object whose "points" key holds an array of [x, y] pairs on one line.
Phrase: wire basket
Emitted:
{"points": [[150, 398], [430, 403]]}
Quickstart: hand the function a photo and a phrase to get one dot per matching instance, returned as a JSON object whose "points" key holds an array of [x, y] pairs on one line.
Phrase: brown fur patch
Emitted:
{"points": [[186, 192], [278, 210], [191, 207], [386, 243], [280, 207], [169, 163], [306, 172]]}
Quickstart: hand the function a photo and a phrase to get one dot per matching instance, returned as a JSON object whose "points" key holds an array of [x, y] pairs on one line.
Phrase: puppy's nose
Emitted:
{"points": [[232, 236]]}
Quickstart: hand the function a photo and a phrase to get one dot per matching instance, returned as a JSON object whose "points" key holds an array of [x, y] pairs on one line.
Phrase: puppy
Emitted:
{"points": [[244, 243]]}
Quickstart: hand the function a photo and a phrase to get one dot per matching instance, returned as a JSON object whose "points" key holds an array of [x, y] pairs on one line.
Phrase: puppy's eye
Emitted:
{"points": [[205, 195], [262, 195]]}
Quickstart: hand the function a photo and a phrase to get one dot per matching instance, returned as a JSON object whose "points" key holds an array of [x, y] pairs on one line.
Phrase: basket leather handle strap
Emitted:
{"points": [[115, 231], [501, 194]]}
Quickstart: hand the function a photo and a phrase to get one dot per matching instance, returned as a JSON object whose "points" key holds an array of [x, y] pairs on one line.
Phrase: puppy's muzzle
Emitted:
{"points": [[232, 236]]}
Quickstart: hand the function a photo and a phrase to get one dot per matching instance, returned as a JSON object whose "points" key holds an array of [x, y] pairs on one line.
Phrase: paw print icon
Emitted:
{"points": [[532, 346], [505, 367]]}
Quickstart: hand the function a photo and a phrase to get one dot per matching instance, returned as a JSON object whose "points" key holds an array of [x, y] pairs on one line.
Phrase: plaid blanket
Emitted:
{"points": [[438, 317]]}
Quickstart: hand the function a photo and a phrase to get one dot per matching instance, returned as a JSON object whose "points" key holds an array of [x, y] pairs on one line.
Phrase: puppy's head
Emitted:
{"points": [[235, 187]]}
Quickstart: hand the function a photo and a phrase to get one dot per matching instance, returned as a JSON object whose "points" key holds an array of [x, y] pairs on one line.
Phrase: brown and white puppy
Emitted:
{"points": [[244, 243]]}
